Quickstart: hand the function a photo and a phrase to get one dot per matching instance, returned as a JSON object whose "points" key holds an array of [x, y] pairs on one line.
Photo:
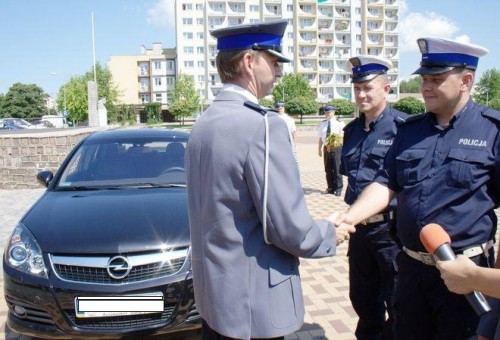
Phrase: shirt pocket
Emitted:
{"points": [[409, 169], [376, 157], [463, 166]]}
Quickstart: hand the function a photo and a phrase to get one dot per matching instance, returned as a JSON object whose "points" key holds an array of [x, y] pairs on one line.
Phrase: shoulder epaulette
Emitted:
{"points": [[491, 113], [256, 107]]}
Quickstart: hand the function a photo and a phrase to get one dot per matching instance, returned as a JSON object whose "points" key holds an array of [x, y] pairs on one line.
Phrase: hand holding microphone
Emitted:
{"points": [[437, 242]]}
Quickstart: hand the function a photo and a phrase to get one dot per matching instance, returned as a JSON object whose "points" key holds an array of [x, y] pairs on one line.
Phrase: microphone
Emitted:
{"points": [[437, 242]]}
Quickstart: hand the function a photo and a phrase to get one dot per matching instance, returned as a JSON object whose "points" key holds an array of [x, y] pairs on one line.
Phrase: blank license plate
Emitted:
{"points": [[108, 306]]}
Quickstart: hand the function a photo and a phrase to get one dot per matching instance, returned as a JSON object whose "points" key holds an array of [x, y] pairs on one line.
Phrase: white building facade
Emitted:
{"points": [[320, 38]]}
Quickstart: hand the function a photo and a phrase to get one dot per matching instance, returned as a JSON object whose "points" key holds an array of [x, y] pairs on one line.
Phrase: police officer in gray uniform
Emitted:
{"points": [[248, 217], [372, 249], [444, 168]]}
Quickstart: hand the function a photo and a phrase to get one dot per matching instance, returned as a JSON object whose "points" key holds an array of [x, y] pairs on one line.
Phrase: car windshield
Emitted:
{"points": [[128, 163]]}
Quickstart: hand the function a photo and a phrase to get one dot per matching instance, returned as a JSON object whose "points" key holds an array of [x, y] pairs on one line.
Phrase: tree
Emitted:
{"points": [[487, 90], [410, 105], [24, 101], [300, 106], [75, 91], [153, 112], [412, 85], [185, 98], [125, 114], [292, 86], [343, 107]]}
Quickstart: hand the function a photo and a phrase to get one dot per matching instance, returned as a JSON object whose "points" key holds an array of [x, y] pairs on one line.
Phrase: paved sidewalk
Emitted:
{"points": [[325, 283]]}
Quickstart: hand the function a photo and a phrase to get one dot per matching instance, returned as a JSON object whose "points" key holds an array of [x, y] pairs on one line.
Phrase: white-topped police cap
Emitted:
{"points": [[263, 36], [367, 67], [441, 55]]}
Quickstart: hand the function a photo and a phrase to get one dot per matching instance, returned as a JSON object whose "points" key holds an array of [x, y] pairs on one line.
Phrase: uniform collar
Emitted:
{"points": [[228, 87], [375, 121], [456, 117]]}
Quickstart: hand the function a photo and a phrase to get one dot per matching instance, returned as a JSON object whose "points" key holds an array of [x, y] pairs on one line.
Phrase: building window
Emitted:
{"points": [[144, 98], [254, 8], [199, 7], [157, 65], [188, 49], [199, 21], [170, 81], [158, 97], [200, 35], [200, 49], [289, 8], [187, 21], [201, 79], [201, 63], [157, 81], [188, 64], [144, 85], [187, 7], [188, 35], [170, 65]]}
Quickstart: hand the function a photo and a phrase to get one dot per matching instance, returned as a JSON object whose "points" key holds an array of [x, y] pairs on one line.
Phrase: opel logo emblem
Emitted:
{"points": [[118, 267]]}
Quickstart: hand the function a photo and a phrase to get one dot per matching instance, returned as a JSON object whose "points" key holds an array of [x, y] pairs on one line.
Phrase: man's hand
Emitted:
{"points": [[458, 274], [343, 220], [343, 229]]}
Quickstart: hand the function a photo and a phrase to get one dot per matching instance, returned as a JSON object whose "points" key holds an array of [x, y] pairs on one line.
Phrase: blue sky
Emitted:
{"points": [[40, 37]]}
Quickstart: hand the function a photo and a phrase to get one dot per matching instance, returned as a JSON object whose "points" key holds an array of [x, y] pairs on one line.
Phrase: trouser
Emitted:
{"points": [[426, 309], [208, 333], [332, 168], [372, 277]]}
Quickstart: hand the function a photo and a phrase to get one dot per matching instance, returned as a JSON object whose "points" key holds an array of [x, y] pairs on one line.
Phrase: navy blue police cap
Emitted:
{"points": [[279, 105], [441, 55], [367, 67], [329, 108], [262, 36]]}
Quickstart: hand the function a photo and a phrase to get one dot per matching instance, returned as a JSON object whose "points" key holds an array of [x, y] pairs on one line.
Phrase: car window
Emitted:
{"points": [[121, 163]]}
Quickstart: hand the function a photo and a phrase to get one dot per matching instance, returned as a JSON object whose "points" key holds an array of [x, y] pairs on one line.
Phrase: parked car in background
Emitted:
{"points": [[42, 124], [19, 122], [56, 121], [105, 251], [10, 126]]}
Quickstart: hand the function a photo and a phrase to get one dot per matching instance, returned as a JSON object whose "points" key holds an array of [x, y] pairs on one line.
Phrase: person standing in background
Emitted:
{"points": [[372, 250], [331, 155], [292, 128]]}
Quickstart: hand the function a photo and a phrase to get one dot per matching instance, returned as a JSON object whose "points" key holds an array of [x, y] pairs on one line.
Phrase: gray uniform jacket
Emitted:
{"points": [[245, 288]]}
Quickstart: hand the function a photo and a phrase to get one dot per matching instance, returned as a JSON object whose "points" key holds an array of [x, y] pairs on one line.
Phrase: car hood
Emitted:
{"points": [[109, 221]]}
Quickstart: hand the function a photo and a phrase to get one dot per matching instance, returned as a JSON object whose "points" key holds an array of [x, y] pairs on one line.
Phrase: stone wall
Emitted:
{"points": [[24, 153]]}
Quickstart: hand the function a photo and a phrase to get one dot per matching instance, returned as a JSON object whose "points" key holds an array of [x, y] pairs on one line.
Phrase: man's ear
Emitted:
{"points": [[467, 80]]}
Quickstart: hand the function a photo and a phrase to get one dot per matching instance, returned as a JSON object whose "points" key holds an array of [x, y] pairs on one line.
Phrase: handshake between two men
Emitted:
{"points": [[343, 224]]}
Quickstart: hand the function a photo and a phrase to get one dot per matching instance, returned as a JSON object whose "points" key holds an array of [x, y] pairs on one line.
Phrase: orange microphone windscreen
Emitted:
{"points": [[433, 236]]}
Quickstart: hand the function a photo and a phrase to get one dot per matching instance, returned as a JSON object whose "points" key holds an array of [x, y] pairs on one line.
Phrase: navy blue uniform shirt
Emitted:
{"points": [[363, 152], [449, 176]]}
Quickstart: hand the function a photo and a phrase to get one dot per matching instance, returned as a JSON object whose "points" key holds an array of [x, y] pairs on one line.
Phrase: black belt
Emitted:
{"points": [[378, 218]]}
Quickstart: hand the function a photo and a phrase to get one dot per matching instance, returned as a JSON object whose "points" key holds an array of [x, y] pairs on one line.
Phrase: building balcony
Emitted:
{"points": [[325, 13], [391, 2], [342, 13], [342, 2], [342, 25]]}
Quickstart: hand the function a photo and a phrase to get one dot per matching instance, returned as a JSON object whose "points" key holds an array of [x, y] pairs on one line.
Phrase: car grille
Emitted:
{"points": [[143, 267], [33, 313], [128, 321]]}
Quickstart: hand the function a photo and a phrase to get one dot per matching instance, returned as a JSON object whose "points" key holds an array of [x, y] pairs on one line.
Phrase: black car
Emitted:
{"points": [[105, 250]]}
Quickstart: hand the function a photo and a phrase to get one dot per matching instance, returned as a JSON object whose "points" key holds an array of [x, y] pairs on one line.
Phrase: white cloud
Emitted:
{"points": [[162, 13], [414, 25]]}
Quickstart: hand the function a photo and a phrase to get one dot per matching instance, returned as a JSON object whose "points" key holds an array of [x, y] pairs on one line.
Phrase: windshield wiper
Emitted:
{"points": [[159, 185]]}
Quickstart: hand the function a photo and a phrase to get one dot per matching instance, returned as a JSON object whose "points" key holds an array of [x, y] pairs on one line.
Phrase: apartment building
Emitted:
{"points": [[145, 77], [320, 38]]}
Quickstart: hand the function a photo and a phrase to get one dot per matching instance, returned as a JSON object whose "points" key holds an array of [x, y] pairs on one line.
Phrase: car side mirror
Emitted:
{"points": [[44, 177]]}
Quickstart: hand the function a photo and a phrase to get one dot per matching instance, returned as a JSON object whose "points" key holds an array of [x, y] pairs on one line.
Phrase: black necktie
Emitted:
{"points": [[328, 129]]}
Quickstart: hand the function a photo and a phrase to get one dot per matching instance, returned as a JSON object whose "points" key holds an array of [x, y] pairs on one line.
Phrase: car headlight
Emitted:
{"points": [[24, 254]]}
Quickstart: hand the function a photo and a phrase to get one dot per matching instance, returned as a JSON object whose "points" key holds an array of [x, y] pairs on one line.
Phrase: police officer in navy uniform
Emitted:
{"points": [[331, 154], [444, 168], [248, 217], [372, 249]]}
